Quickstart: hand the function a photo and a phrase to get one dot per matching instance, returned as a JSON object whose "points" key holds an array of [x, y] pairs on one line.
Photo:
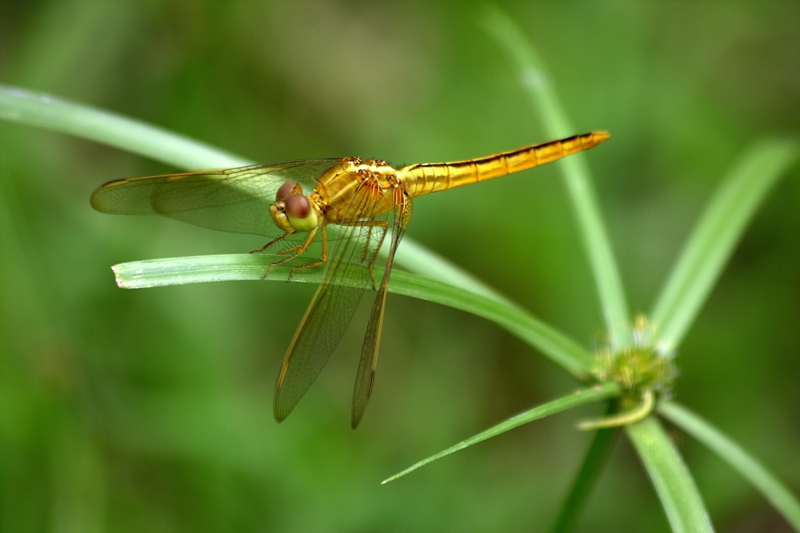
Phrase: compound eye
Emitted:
{"points": [[288, 188], [297, 205]]}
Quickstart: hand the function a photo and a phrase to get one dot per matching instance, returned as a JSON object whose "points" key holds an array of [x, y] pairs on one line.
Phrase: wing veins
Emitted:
{"points": [[368, 362], [327, 316]]}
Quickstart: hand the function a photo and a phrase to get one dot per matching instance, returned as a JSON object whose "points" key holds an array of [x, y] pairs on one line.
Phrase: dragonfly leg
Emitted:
{"points": [[385, 226], [371, 224], [290, 250], [377, 248], [297, 251], [270, 243], [300, 250], [321, 260], [366, 245]]}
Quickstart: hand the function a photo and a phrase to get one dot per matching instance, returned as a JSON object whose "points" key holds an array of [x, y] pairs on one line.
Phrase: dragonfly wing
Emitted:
{"points": [[235, 200], [365, 378], [346, 277], [318, 334]]}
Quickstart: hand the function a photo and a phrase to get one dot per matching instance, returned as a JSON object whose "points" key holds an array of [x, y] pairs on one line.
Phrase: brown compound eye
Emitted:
{"points": [[288, 188], [297, 205]]}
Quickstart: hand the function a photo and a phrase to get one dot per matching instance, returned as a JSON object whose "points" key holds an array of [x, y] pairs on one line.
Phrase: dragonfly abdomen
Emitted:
{"points": [[426, 178]]}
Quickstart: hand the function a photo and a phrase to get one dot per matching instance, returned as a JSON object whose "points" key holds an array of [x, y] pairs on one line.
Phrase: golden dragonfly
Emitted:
{"points": [[294, 203]]}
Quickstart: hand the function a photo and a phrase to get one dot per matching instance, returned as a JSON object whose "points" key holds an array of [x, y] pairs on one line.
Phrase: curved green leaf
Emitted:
{"points": [[587, 476], [579, 397], [52, 113], [673, 483], [776, 492], [201, 269], [715, 237]]}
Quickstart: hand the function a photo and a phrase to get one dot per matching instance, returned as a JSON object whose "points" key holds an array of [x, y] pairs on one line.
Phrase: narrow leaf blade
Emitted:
{"points": [[580, 397], [538, 85], [183, 270], [770, 486], [715, 237], [673, 483], [52, 113], [585, 480]]}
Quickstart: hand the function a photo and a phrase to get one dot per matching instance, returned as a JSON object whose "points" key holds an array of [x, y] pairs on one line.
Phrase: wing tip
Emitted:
{"points": [[280, 413], [360, 407]]}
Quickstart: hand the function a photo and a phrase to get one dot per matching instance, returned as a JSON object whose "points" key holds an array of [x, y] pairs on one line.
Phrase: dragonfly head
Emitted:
{"points": [[293, 211]]}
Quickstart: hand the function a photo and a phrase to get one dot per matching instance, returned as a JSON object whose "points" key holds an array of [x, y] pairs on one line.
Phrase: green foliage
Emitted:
{"points": [[148, 410], [675, 487]]}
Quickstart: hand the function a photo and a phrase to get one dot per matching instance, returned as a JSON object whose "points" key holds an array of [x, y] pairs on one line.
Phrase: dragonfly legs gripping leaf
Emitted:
{"points": [[270, 243], [370, 224], [297, 251]]}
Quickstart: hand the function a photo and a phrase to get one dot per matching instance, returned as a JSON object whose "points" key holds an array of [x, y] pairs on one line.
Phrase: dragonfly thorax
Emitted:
{"points": [[355, 189]]}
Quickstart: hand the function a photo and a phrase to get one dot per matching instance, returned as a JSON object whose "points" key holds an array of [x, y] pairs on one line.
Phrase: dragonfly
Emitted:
{"points": [[350, 206]]}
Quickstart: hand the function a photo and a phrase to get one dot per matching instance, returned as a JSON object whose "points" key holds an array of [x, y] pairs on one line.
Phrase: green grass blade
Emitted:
{"points": [[776, 492], [539, 87], [580, 397], [186, 270], [673, 483], [418, 259], [45, 111], [716, 235], [211, 268], [585, 480]]}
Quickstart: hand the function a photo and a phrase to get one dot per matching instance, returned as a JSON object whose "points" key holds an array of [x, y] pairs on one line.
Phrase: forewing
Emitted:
{"points": [[346, 277], [365, 378], [235, 200]]}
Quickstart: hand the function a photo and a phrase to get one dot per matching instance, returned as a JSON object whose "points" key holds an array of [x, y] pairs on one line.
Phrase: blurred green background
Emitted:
{"points": [[152, 410]]}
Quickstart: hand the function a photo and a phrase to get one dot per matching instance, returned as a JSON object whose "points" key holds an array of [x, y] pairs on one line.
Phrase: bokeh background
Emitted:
{"points": [[152, 410]]}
